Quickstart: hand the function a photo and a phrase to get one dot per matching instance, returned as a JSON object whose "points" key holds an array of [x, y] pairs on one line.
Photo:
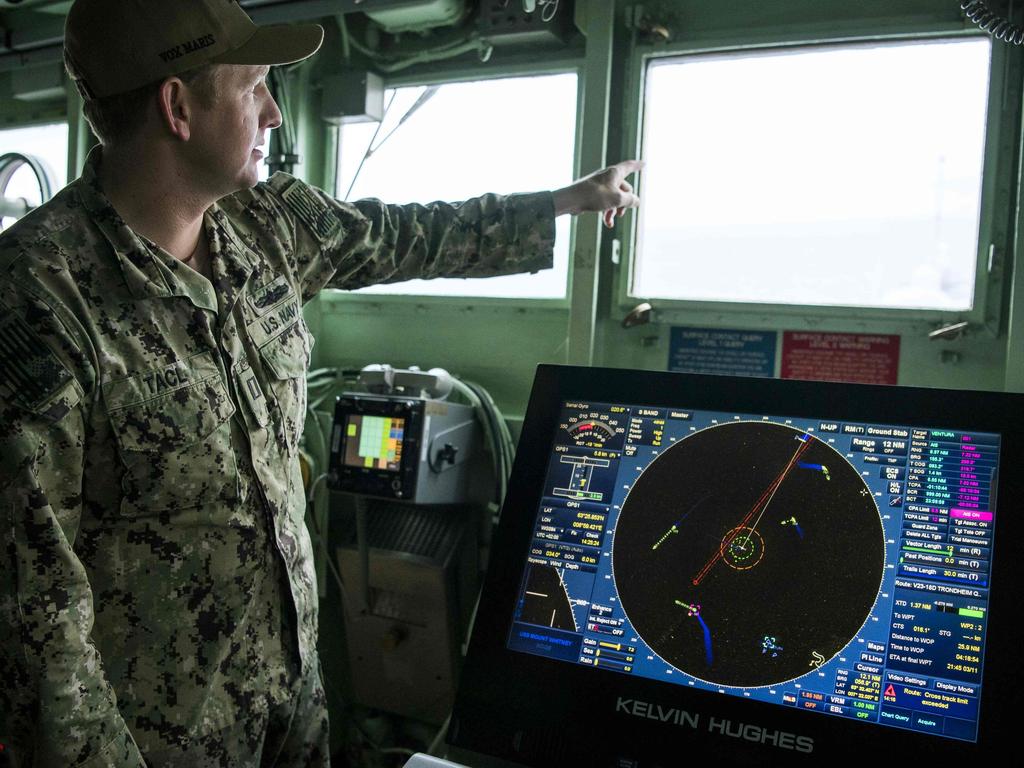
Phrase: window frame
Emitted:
{"points": [[456, 302], [18, 114], [66, 110], [995, 244], [41, 118]]}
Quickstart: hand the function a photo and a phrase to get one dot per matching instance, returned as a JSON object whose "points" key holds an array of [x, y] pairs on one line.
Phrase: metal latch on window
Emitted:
{"points": [[949, 332]]}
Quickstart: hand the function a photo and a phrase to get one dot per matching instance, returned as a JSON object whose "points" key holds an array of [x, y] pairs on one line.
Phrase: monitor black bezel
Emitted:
{"points": [[509, 703]]}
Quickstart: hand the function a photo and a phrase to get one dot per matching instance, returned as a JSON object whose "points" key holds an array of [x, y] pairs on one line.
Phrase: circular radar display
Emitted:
{"points": [[748, 554]]}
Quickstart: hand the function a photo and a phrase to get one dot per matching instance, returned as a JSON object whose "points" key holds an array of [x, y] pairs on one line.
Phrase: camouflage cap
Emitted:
{"points": [[115, 46]]}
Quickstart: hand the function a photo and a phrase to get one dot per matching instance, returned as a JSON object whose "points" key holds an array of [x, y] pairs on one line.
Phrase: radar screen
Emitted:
{"points": [[373, 442], [836, 567], [746, 552]]}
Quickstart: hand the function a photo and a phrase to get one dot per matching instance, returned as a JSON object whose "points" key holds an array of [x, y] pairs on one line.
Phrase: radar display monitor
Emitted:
{"points": [[763, 569]]}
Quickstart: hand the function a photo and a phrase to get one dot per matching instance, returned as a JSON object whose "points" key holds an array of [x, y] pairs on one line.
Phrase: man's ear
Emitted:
{"points": [[175, 107]]}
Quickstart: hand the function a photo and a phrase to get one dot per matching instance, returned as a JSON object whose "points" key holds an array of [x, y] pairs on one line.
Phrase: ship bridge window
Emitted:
{"points": [[841, 175], [19, 185], [459, 140]]}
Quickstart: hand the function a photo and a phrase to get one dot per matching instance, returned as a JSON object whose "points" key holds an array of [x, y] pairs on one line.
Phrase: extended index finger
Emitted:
{"points": [[626, 167]]}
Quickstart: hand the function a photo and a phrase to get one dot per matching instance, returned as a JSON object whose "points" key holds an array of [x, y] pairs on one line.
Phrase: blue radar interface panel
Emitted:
{"points": [[830, 566]]}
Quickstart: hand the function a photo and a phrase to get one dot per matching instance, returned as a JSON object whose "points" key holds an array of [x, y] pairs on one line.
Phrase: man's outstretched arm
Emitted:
{"points": [[330, 243]]}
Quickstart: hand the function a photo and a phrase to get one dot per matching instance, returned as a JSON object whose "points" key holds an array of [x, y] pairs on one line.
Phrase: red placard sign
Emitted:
{"points": [[854, 357]]}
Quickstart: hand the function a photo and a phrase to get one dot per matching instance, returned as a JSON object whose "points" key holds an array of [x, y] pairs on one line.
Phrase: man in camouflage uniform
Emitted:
{"points": [[158, 603]]}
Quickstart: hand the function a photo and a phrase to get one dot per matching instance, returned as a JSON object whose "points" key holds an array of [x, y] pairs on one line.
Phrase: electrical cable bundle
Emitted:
{"points": [[321, 385], [496, 432], [442, 52]]}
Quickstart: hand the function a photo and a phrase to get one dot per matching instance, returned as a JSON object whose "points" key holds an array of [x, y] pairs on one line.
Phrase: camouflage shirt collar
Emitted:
{"points": [[143, 275], [232, 260]]}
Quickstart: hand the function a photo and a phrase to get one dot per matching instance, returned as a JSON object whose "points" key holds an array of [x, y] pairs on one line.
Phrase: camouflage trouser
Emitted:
{"points": [[290, 735]]}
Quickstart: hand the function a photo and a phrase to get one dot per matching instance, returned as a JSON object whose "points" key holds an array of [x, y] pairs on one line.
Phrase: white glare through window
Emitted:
{"points": [[466, 139], [843, 176], [48, 143]]}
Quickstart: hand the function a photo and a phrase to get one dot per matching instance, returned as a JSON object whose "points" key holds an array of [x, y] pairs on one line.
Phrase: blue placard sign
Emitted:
{"points": [[722, 351]]}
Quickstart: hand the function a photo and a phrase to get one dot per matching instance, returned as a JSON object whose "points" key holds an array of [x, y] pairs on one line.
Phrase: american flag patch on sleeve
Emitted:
{"points": [[312, 211], [30, 373]]}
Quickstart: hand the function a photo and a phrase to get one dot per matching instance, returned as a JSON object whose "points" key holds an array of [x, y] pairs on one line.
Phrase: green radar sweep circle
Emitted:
{"points": [[748, 554]]}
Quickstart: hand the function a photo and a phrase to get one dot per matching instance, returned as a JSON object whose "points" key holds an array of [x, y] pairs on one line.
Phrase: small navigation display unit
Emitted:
{"points": [[373, 442], [375, 445], [751, 571]]}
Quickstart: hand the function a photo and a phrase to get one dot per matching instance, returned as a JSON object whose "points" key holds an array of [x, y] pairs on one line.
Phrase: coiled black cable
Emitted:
{"points": [[998, 26]]}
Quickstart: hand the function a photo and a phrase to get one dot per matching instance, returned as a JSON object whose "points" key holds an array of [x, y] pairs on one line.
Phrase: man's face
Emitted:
{"points": [[228, 132]]}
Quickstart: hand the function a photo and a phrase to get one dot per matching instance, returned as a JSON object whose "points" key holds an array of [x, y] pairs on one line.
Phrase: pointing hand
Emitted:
{"points": [[606, 190]]}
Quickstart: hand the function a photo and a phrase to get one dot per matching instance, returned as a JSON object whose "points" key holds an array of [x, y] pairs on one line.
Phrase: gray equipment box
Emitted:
{"points": [[410, 449]]}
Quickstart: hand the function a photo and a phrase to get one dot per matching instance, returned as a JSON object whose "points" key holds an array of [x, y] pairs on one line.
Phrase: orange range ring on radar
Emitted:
{"points": [[742, 548]]}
